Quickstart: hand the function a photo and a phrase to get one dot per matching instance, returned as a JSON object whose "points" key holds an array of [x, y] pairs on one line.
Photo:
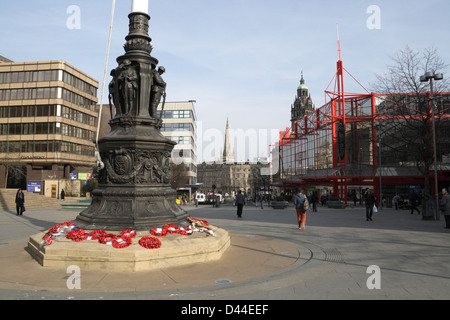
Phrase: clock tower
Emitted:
{"points": [[303, 104]]}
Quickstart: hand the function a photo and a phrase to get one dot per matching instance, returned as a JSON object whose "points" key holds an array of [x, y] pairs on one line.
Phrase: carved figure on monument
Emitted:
{"points": [[157, 91], [111, 96], [165, 164], [158, 172], [135, 154], [128, 87]]}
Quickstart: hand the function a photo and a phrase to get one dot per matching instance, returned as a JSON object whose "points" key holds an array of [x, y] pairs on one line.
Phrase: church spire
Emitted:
{"points": [[228, 155]]}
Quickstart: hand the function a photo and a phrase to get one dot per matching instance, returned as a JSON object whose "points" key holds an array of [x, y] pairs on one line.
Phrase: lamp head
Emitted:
{"points": [[429, 74], [423, 79]]}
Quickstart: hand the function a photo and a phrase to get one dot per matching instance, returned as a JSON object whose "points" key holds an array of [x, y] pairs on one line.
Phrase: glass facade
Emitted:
{"points": [[35, 146], [47, 76], [175, 114], [350, 147], [179, 125], [47, 115]]}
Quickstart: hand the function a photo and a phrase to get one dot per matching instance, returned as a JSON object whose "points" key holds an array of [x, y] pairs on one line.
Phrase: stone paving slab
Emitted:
{"points": [[247, 257], [269, 259]]}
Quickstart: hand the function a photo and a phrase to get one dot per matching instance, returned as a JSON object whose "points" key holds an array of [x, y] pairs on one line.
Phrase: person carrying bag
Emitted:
{"points": [[370, 204], [301, 206]]}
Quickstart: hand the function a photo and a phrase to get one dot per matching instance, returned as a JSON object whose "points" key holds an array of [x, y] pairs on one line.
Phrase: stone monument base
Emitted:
{"points": [[176, 250]]}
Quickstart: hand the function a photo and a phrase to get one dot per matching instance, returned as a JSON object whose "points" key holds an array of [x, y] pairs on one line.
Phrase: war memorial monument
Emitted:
{"points": [[134, 200]]}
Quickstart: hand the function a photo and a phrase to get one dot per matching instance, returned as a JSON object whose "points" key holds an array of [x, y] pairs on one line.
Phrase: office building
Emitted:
{"points": [[180, 125], [48, 123]]}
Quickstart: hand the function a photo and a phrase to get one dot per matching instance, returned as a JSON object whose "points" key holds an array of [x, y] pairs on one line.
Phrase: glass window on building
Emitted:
{"points": [[164, 115], [14, 146], [183, 140], [3, 146], [29, 76], [166, 127], [181, 114], [28, 128]]}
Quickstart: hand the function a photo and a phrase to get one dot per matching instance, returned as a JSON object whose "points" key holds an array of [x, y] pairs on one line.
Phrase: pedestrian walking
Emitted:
{"points": [[414, 201], [20, 202], [240, 201], [63, 194], [299, 202], [261, 199], [369, 199], [444, 207], [396, 201], [314, 200]]}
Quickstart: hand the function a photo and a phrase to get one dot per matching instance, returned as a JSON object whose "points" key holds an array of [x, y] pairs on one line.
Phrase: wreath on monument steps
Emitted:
{"points": [[125, 238]]}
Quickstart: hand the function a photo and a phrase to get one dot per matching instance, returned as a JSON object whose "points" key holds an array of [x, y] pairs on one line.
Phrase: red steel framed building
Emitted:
{"points": [[339, 148]]}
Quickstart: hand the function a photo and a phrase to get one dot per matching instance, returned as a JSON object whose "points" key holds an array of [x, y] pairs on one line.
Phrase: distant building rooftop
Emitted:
{"points": [[4, 60]]}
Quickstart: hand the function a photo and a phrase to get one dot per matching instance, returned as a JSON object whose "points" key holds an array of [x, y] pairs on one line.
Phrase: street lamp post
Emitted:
{"points": [[380, 168], [434, 76], [378, 128], [139, 6]]}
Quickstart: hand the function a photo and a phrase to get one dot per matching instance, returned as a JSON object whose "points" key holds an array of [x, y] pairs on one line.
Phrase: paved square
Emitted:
{"points": [[269, 259]]}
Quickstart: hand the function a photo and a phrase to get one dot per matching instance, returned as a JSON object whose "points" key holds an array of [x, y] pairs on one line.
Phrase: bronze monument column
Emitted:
{"points": [[134, 189]]}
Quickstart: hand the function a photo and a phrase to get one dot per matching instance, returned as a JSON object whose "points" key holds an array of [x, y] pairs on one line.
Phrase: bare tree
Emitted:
{"points": [[15, 176], [179, 175], [407, 126], [403, 75]]}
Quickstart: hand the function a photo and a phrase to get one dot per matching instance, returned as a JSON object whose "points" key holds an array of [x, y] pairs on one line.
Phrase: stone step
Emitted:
{"points": [[32, 200]]}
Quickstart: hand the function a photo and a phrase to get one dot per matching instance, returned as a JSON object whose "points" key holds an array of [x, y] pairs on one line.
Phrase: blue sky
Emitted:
{"points": [[240, 59]]}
